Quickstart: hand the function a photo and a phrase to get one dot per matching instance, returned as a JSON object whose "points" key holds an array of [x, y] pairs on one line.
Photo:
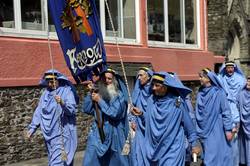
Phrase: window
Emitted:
{"points": [[51, 25], [31, 15], [156, 20], [173, 22], [25, 18], [32, 18], [190, 22], [124, 18], [7, 14]]}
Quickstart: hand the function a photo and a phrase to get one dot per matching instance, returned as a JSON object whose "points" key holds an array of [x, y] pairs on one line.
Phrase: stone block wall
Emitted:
{"points": [[217, 25], [227, 19]]}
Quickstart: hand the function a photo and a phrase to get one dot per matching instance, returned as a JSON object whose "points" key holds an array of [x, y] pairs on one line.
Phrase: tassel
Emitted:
{"points": [[63, 155], [126, 148]]}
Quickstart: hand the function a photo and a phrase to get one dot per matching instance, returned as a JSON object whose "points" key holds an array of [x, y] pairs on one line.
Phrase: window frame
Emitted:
{"points": [[18, 31], [184, 45], [121, 40]]}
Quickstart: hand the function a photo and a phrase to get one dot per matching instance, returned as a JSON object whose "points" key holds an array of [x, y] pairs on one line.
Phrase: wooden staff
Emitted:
{"points": [[99, 123]]}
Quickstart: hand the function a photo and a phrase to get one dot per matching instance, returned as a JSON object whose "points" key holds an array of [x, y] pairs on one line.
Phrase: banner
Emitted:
{"points": [[78, 29]]}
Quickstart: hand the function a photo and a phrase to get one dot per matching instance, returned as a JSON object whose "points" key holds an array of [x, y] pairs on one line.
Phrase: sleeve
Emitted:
{"points": [[69, 106], [190, 109], [189, 127], [87, 106], [116, 109], [226, 112], [238, 101], [144, 116], [36, 120]]}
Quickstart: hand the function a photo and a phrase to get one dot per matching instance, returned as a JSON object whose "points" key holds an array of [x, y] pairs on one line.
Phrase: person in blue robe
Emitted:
{"points": [[188, 146], [166, 116], [190, 109], [233, 81], [56, 116], [214, 121], [244, 136], [140, 95], [108, 105]]}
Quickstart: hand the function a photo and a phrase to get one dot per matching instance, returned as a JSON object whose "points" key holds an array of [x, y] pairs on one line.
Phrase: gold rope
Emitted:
{"points": [[126, 147], [63, 152]]}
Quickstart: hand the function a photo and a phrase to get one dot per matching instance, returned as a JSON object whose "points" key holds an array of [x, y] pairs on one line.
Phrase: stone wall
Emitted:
{"points": [[16, 109], [228, 30], [217, 25]]}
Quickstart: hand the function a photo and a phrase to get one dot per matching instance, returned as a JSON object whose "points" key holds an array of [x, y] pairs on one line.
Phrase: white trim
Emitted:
{"points": [[183, 21], [27, 34], [172, 45], [18, 15], [137, 22], [120, 21], [112, 40], [102, 17], [45, 16], [166, 20], [198, 17]]}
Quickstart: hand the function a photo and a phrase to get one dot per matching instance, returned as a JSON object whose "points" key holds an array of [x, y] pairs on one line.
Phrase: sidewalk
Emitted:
{"points": [[43, 161], [77, 161]]}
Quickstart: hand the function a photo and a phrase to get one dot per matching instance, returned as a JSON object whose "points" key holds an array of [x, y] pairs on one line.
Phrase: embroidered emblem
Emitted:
{"points": [[75, 18]]}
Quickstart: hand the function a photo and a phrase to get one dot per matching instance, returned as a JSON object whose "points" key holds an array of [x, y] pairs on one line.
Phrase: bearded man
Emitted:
{"points": [[109, 130]]}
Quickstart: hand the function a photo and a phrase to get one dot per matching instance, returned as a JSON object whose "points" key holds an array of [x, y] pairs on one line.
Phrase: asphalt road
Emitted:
{"points": [[43, 161]]}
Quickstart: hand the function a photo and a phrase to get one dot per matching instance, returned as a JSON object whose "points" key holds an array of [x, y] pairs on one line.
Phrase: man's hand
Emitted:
{"points": [[235, 129], [229, 135], [88, 84], [135, 111], [95, 97], [59, 100], [133, 125], [196, 150]]}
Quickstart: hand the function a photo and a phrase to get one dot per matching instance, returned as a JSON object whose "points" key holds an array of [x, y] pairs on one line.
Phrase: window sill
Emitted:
{"points": [[173, 45]]}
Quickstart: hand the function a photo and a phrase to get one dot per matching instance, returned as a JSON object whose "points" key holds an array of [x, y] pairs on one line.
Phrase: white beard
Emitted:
{"points": [[112, 91]]}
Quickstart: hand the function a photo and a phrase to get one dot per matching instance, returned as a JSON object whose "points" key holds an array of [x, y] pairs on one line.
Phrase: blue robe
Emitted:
{"points": [[244, 136], [233, 84], [166, 118], [191, 112], [49, 115], [115, 126], [139, 97], [188, 144], [213, 118], [164, 135]]}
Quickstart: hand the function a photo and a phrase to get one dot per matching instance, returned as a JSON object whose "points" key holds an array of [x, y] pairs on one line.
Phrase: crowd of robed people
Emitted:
{"points": [[161, 125]]}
